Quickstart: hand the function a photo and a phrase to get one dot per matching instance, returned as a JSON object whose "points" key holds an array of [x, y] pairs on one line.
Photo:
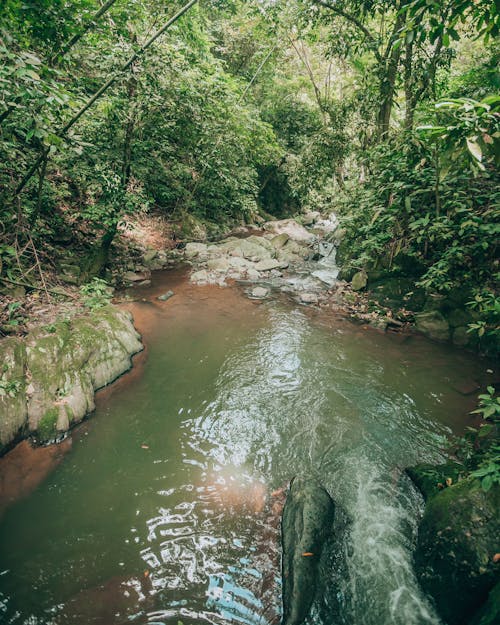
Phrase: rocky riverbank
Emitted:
{"points": [[49, 377]]}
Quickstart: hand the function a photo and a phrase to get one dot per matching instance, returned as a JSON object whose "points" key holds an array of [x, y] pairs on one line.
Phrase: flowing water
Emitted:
{"points": [[166, 507]]}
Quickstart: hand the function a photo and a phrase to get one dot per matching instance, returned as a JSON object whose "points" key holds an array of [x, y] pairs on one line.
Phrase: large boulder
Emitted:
{"points": [[306, 524], [294, 230], [457, 541], [13, 409], [52, 373], [433, 325]]}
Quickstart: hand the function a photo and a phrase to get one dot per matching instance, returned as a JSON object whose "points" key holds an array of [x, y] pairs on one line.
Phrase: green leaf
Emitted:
{"points": [[487, 483], [475, 149]]}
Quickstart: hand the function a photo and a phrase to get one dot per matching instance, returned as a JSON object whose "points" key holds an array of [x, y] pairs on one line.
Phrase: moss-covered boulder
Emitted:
{"points": [[433, 325], [306, 524], [49, 377], [13, 411], [431, 479], [457, 542], [489, 614]]}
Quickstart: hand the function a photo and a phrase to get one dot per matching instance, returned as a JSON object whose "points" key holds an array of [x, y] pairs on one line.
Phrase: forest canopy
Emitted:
{"points": [[385, 112]]}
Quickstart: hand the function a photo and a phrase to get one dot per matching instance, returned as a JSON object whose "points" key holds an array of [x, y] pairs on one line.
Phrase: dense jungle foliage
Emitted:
{"points": [[386, 112]]}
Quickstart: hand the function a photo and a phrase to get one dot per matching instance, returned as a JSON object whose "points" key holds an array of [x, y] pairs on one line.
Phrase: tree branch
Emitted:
{"points": [[354, 20]]}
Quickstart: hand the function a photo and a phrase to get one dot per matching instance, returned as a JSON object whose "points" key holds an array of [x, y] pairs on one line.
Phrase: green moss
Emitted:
{"points": [[47, 427]]}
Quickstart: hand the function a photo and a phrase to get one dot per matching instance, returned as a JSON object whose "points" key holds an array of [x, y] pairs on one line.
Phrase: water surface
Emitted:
{"points": [[166, 507]]}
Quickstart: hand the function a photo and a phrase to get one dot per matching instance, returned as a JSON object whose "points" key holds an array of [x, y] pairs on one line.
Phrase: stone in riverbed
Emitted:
{"points": [[307, 521], [267, 264], [218, 264], [259, 292], [279, 240], [308, 298], [433, 325], [200, 277], [165, 296], [253, 274], [132, 276], [195, 249], [294, 230]]}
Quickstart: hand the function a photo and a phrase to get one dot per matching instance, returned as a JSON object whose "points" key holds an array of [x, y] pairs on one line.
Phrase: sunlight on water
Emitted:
{"points": [[168, 507]]}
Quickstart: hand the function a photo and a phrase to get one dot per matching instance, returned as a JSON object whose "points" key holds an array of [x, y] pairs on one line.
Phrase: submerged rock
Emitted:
{"points": [[307, 522], [165, 296]]}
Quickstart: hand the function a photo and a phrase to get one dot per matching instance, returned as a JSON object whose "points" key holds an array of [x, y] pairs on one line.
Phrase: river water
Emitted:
{"points": [[166, 506]]}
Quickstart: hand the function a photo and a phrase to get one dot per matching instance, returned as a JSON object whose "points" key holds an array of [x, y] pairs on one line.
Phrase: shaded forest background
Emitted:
{"points": [[386, 113]]}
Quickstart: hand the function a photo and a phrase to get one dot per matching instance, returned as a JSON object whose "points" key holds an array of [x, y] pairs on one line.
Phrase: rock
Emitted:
{"points": [[131, 276], [457, 539], [195, 249], [259, 292], [66, 363], [235, 262], [433, 325], [307, 521], [279, 240], [489, 613], [379, 323], [295, 231], [267, 264], [309, 218], [359, 281], [253, 274], [288, 257], [70, 274], [300, 249], [149, 256], [13, 409], [308, 298], [218, 264], [165, 296], [466, 386], [461, 337], [427, 477], [261, 241], [458, 317], [244, 248], [200, 277]]}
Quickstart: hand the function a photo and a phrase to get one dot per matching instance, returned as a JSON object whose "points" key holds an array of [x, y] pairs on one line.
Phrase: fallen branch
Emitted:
{"points": [[39, 288]]}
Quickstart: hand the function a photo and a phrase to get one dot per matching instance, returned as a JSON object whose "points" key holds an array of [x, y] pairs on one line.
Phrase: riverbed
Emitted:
{"points": [[165, 505]]}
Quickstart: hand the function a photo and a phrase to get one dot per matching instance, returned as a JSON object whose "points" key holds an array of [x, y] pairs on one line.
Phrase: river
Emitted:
{"points": [[165, 508]]}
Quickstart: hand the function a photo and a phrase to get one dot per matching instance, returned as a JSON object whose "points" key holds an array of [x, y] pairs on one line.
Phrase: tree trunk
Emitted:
{"points": [[388, 75]]}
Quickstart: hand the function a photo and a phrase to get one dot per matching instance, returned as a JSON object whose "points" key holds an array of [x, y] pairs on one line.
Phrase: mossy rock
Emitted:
{"points": [[432, 479], [307, 523], [489, 613], [47, 426], [433, 325], [457, 539]]}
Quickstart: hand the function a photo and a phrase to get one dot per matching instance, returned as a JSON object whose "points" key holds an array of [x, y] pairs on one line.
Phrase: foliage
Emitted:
{"points": [[468, 131], [96, 293]]}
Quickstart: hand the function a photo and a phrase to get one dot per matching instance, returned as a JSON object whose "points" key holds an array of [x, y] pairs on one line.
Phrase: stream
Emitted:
{"points": [[166, 506]]}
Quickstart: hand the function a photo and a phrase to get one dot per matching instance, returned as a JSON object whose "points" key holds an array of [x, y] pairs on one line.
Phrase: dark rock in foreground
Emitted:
{"points": [[457, 541], [307, 520]]}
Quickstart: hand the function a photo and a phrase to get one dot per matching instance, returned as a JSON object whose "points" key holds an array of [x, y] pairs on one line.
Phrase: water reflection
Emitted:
{"points": [[168, 509]]}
